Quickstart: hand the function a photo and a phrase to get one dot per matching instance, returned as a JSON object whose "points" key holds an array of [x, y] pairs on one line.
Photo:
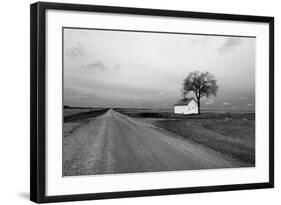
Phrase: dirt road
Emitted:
{"points": [[116, 143]]}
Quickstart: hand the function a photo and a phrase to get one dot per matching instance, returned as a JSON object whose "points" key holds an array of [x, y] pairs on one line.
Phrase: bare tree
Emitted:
{"points": [[202, 84]]}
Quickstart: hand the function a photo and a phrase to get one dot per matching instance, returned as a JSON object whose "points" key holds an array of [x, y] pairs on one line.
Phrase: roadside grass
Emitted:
{"points": [[83, 115], [70, 127], [72, 111], [78, 118], [235, 138], [168, 114], [230, 133]]}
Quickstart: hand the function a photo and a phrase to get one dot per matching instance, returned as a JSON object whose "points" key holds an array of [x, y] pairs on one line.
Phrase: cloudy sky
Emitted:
{"points": [[137, 69]]}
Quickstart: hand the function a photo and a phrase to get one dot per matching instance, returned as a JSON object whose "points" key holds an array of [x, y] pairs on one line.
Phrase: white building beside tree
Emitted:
{"points": [[186, 106]]}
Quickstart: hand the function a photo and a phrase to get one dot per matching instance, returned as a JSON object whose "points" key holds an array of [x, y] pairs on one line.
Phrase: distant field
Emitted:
{"points": [[232, 134], [72, 111], [169, 114], [75, 118], [68, 112], [82, 113]]}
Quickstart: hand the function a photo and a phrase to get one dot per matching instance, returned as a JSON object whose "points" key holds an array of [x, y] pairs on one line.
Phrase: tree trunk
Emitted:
{"points": [[198, 104]]}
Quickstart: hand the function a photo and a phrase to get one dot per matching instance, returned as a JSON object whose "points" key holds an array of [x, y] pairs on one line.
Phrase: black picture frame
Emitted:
{"points": [[38, 100]]}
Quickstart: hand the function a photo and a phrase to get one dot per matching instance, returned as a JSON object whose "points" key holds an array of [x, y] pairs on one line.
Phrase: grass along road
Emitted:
{"points": [[232, 137], [116, 143]]}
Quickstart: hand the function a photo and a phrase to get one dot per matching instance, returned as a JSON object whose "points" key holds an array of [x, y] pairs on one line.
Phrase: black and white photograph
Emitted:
{"points": [[147, 101]]}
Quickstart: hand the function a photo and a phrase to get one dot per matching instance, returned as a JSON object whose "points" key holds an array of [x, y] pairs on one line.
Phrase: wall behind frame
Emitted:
{"points": [[14, 86]]}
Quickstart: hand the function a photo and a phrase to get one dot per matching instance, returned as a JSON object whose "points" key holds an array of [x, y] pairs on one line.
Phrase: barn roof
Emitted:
{"points": [[184, 101]]}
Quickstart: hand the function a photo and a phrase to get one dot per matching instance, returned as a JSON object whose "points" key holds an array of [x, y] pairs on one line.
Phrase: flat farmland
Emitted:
{"points": [[230, 133], [73, 111], [74, 118], [106, 141]]}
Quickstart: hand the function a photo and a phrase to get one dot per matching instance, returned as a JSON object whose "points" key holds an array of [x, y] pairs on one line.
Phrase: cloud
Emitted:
{"points": [[78, 96], [226, 103], [167, 94], [101, 66], [161, 94], [229, 44], [89, 92], [165, 105], [117, 67], [98, 65], [76, 52], [139, 102]]}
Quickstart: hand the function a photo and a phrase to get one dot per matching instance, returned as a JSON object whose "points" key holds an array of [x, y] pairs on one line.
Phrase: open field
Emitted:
{"points": [[72, 115], [72, 111], [169, 114], [103, 141], [68, 111], [116, 143], [75, 118], [232, 134]]}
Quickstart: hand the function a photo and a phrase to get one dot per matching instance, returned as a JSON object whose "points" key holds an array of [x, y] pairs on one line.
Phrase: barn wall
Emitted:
{"points": [[191, 108], [181, 109]]}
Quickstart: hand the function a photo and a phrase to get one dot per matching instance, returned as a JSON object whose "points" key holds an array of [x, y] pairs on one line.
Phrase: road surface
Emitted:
{"points": [[116, 143]]}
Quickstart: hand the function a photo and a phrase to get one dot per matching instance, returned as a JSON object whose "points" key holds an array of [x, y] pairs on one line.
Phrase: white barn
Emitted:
{"points": [[186, 106]]}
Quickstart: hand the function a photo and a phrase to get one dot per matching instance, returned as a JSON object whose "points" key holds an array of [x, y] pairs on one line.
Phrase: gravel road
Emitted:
{"points": [[116, 143]]}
